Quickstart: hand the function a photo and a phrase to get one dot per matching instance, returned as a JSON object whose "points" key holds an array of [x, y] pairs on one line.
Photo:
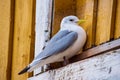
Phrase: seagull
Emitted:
{"points": [[66, 43]]}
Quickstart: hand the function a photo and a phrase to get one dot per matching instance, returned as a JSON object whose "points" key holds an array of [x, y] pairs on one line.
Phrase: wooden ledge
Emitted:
{"points": [[102, 67], [115, 44]]}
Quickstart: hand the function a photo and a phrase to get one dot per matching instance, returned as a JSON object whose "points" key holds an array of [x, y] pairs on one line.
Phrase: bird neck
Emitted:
{"points": [[70, 27]]}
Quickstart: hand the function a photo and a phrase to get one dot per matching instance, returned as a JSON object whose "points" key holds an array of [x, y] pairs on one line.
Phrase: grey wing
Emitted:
{"points": [[59, 35], [57, 44]]}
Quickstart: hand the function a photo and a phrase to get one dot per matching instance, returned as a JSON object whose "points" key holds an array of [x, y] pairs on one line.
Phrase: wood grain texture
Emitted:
{"points": [[23, 36], [104, 21], [117, 23], [87, 9], [6, 28], [102, 67]]}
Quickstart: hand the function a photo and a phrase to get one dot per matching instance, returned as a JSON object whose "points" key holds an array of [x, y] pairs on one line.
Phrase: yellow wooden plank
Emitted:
{"points": [[117, 24], [104, 18], [5, 38], [23, 29], [86, 9], [62, 8]]}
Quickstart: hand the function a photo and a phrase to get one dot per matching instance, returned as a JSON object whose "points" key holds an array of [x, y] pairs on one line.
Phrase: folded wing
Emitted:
{"points": [[60, 42]]}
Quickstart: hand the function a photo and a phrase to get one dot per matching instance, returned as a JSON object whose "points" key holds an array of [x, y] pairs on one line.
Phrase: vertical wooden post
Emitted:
{"points": [[23, 36], [117, 23], [87, 9], [43, 25], [104, 21], [6, 30]]}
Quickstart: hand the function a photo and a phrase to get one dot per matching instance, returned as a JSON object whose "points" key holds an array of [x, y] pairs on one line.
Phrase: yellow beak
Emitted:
{"points": [[81, 21]]}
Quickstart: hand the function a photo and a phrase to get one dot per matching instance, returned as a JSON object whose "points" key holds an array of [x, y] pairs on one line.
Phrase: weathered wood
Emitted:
{"points": [[102, 67], [117, 23], [97, 50], [43, 25], [104, 21], [6, 31], [87, 9], [23, 36], [6, 28]]}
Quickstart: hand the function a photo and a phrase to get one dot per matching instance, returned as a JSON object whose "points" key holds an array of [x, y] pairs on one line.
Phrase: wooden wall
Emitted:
{"points": [[5, 38], [62, 9], [102, 18], [17, 26], [117, 21], [17, 20]]}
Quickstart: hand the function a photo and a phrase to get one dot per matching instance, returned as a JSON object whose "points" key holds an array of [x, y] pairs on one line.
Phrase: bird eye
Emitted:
{"points": [[71, 20]]}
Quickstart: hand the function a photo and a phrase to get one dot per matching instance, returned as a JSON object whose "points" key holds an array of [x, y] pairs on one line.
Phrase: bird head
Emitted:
{"points": [[71, 20]]}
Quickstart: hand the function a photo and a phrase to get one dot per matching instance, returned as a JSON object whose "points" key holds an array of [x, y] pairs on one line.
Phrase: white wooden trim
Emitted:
{"points": [[43, 22], [102, 67]]}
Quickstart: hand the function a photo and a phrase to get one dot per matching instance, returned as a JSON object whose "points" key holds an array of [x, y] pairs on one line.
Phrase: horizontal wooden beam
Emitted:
{"points": [[97, 50], [101, 67]]}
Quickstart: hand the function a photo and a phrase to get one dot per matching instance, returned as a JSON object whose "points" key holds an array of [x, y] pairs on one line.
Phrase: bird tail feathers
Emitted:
{"points": [[24, 70]]}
